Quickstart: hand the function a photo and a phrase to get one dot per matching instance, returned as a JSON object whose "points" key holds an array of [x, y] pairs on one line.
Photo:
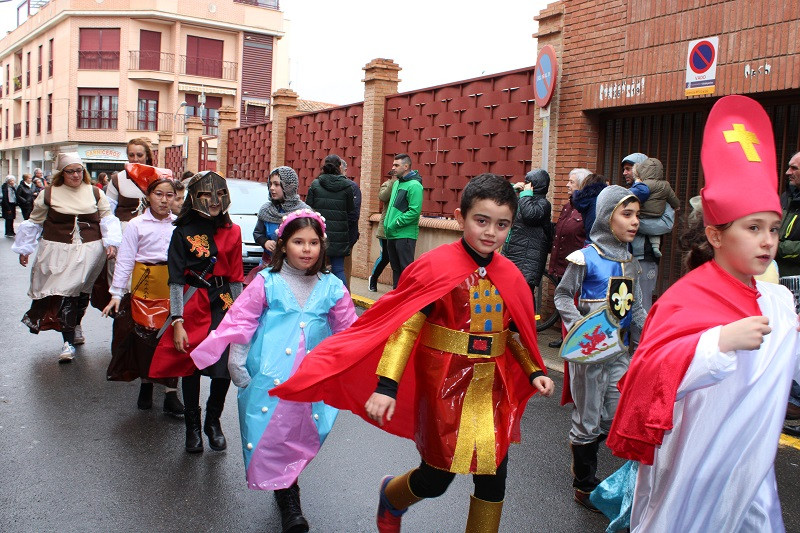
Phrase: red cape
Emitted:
{"points": [[704, 298], [341, 369]]}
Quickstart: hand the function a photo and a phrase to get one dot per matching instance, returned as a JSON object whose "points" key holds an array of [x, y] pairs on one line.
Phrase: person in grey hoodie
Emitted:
{"points": [[331, 194]]}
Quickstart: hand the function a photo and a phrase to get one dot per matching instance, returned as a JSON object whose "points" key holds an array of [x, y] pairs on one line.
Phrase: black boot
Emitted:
{"points": [[584, 468], [292, 519], [173, 405], [145, 400], [194, 437], [212, 428]]}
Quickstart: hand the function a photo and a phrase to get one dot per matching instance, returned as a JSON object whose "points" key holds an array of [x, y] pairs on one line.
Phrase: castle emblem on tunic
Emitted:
{"points": [[486, 307], [199, 245]]}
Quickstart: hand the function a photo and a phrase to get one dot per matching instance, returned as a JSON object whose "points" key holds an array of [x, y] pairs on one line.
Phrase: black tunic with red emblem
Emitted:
{"points": [[191, 251]]}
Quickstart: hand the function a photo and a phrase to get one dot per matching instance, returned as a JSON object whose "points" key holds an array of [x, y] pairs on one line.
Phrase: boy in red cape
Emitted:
{"points": [[469, 378], [703, 402]]}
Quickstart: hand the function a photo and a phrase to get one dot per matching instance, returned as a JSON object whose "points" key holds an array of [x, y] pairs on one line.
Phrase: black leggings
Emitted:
{"points": [[216, 398], [430, 482], [72, 310]]}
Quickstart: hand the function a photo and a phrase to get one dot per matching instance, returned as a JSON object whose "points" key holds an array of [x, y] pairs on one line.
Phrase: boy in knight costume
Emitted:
{"points": [[604, 276], [469, 379], [205, 277]]}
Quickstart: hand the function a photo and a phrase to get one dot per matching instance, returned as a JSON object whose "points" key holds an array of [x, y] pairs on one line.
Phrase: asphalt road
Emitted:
{"points": [[76, 455]]}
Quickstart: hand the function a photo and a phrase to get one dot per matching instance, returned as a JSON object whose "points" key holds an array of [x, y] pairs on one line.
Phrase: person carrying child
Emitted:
{"points": [[651, 173], [286, 311], [703, 403], [468, 378], [604, 276]]}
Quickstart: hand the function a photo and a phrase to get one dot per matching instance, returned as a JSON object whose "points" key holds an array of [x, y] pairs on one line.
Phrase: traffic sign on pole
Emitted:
{"points": [[545, 75]]}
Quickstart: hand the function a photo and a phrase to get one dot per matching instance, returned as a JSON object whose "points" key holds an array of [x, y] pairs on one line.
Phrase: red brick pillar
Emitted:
{"points": [[284, 105], [227, 121], [194, 129], [380, 80]]}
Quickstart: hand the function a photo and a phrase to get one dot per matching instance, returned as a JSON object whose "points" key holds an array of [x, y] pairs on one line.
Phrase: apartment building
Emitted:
{"points": [[88, 75]]}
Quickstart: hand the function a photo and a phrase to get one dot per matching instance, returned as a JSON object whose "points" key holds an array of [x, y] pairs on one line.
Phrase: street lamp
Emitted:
{"points": [[175, 117]]}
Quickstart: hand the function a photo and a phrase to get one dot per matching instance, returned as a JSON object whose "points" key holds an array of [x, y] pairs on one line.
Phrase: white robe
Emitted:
{"points": [[714, 472]]}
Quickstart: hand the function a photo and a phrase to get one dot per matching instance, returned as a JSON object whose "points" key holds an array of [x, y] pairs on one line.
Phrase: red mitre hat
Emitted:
{"points": [[144, 175], [738, 159]]}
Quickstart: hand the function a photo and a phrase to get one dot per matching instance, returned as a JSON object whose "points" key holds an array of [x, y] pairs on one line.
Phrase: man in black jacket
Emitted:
{"points": [[9, 204]]}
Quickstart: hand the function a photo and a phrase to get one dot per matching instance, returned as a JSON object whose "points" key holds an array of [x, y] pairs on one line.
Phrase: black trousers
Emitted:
{"points": [[216, 397], [430, 482], [10, 215], [401, 254]]}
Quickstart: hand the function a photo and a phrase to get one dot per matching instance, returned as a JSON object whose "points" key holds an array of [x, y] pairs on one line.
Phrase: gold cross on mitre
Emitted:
{"points": [[746, 139]]}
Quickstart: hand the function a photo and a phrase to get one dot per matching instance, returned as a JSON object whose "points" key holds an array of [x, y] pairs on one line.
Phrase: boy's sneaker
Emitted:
{"points": [[372, 284], [79, 338], [388, 518], [67, 353]]}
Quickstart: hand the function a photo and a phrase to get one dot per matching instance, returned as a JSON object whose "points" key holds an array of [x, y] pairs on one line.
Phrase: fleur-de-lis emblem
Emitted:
{"points": [[622, 300]]}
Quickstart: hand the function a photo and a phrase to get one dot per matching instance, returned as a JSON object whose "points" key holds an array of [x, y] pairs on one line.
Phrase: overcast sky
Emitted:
{"points": [[433, 41]]}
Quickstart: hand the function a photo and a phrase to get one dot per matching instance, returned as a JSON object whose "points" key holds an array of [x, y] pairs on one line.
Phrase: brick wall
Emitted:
{"points": [[311, 137], [457, 131], [249, 152]]}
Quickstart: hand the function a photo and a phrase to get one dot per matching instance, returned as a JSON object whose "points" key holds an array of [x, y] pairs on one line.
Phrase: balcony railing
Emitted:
{"points": [[97, 119], [98, 60], [17, 130], [147, 60], [148, 121], [18, 83], [209, 68], [272, 4]]}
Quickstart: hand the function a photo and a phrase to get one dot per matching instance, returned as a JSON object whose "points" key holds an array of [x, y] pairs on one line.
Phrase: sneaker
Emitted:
{"points": [[79, 338], [388, 518], [67, 353], [372, 285]]}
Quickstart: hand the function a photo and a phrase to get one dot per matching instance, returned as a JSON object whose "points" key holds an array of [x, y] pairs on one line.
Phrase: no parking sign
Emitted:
{"points": [[701, 66]]}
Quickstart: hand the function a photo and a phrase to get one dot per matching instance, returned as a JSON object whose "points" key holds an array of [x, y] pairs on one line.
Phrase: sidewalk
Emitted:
{"points": [[363, 298]]}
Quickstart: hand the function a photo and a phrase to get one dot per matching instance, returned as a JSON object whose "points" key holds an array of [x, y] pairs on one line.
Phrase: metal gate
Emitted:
{"points": [[675, 138]]}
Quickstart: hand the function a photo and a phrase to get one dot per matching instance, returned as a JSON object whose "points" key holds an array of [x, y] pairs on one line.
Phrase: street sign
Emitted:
{"points": [[701, 66], [545, 75]]}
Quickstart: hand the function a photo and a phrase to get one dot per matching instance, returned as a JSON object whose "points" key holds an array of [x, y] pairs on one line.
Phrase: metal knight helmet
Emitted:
{"points": [[207, 188]]}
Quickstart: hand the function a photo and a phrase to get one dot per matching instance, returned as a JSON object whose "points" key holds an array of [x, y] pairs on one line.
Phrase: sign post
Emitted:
{"points": [[545, 75]]}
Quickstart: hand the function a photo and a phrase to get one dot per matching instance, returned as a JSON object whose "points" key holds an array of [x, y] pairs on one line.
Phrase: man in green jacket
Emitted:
{"points": [[401, 223]]}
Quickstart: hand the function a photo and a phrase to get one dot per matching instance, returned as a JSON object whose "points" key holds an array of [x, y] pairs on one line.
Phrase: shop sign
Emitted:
{"points": [[102, 153]]}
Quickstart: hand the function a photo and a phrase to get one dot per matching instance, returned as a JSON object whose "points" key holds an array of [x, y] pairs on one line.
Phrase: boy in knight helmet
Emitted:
{"points": [[205, 277], [603, 275]]}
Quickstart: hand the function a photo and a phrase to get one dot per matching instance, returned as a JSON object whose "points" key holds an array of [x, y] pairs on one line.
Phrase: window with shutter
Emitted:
{"points": [[150, 50], [204, 56], [97, 108], [98, 49], [147, 113]]}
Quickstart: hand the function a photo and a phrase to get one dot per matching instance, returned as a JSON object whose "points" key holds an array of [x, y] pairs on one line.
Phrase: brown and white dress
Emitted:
{"points": [[75, 226]]}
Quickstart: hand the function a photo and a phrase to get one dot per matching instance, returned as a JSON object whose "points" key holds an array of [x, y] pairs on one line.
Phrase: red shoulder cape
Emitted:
{"points": [[704, 298], [341, 369]]}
